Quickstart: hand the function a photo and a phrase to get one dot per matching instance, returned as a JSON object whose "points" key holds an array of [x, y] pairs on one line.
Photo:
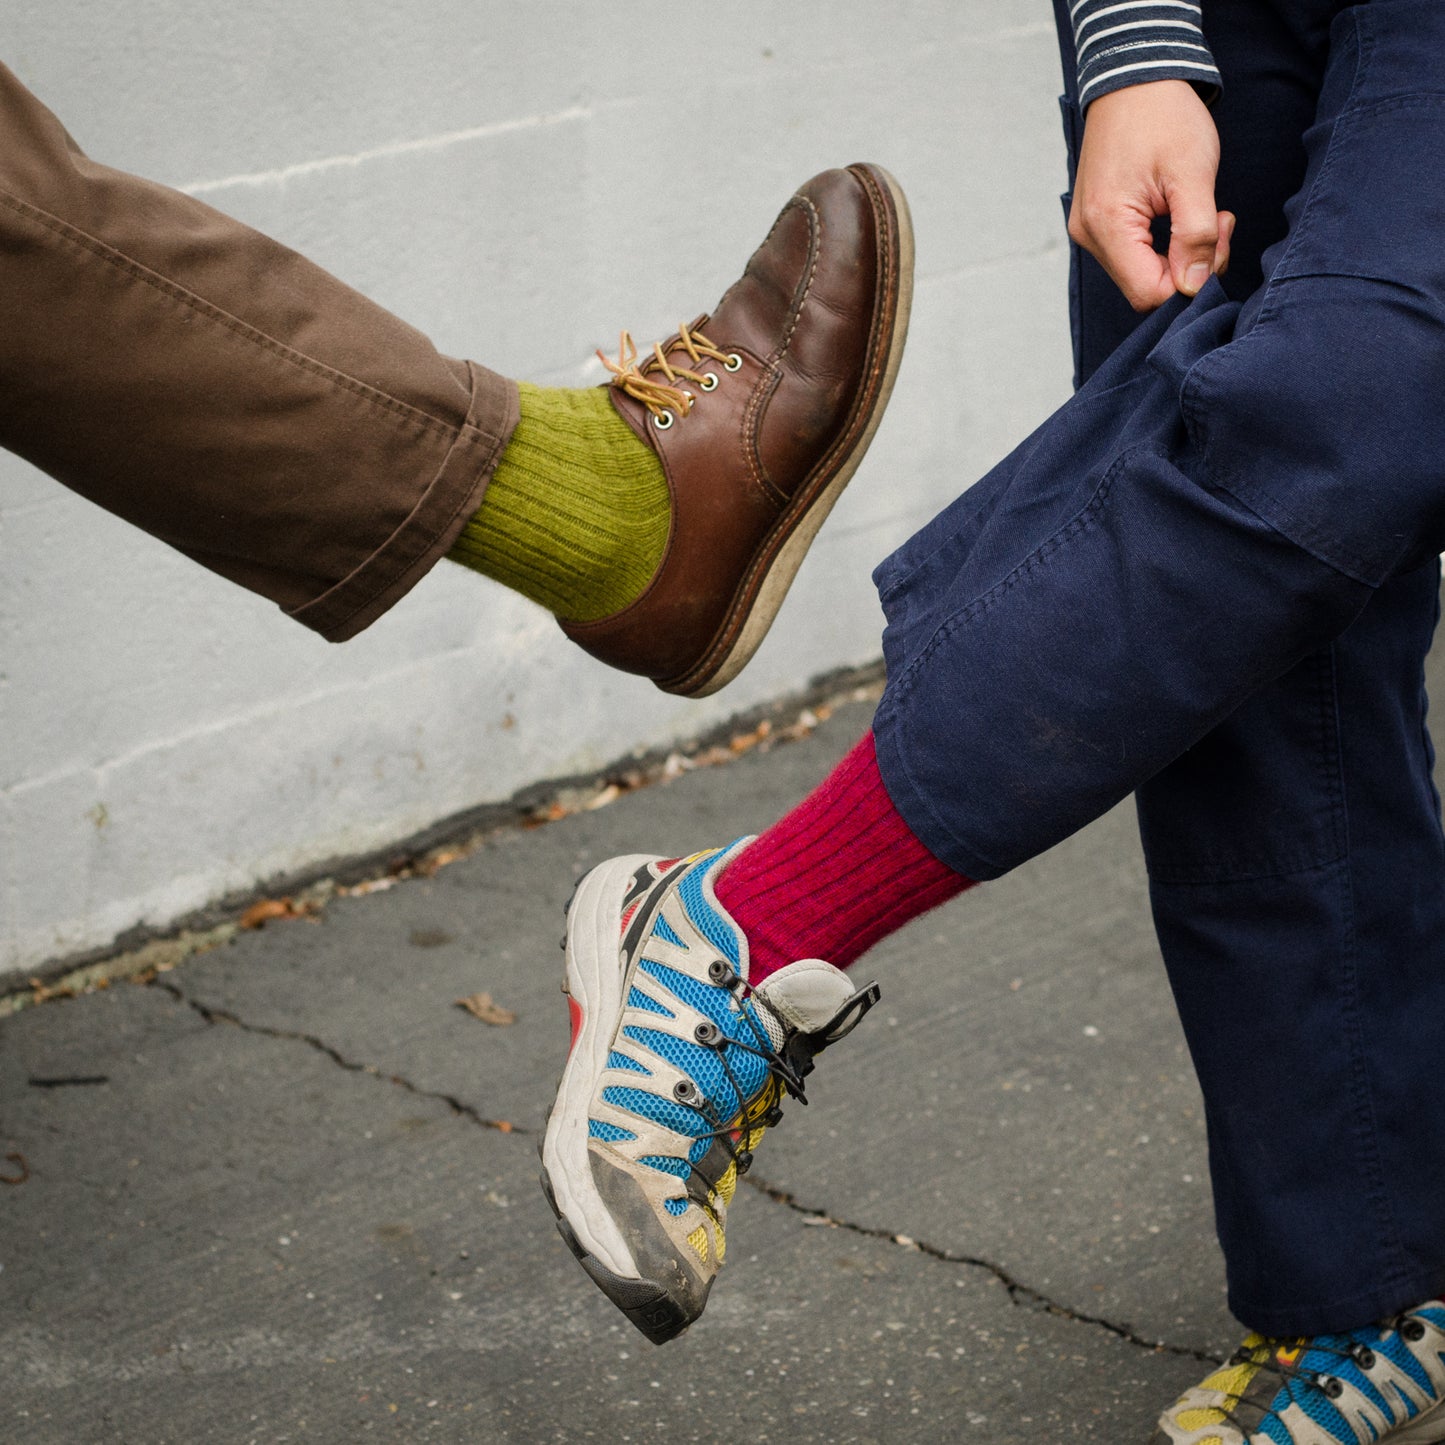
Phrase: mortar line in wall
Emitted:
{"points": [[211, 729], [12, 791], [145, 949], [421, 144], [443, 140]]}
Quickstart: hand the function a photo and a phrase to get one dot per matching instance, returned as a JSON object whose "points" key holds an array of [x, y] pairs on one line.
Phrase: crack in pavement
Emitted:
{"points": [[215, 1016], [1020, 1294]]}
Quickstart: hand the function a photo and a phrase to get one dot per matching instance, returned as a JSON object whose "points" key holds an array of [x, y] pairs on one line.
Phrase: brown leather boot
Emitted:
{"points": [[760, 413]]}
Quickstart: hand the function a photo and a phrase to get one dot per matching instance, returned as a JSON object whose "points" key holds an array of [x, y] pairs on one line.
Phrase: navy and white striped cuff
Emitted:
{"points": [[1127, 42]]}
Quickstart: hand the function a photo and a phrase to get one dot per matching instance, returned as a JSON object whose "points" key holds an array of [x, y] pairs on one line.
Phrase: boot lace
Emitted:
{"points": [[657, 382]]}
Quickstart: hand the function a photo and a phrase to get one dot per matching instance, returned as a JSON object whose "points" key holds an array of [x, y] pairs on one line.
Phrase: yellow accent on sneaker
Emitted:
{"points": [[1231, 1382], [727, 1185], [698, 1240]]}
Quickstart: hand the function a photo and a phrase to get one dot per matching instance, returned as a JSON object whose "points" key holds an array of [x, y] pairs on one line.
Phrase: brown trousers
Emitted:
{"points": [[222, 393]]}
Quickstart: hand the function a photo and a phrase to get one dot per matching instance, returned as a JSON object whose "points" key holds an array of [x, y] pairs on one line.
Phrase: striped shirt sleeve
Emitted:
{"points": [[1126, 42]]}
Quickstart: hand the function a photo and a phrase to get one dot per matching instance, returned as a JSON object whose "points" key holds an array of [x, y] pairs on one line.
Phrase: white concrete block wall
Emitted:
{"points": [[519, 180]]}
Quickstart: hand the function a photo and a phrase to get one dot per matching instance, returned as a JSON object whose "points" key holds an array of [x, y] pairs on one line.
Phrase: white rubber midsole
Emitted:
{"points": [[595, 982]]}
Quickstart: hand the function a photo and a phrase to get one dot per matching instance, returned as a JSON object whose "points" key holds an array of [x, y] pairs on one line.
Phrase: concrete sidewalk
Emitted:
{"points": [[300, 1203]]}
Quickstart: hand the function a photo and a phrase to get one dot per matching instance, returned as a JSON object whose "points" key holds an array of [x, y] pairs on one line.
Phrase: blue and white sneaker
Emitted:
{"points": [[1384, 1385], [677, 1067]]}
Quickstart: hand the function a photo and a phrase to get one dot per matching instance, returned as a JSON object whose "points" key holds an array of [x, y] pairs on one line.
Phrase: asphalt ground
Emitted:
{"points": [[287, 1191]]}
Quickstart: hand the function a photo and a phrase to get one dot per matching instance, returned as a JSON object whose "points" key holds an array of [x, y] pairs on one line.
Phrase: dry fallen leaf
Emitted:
{"points": [[369, 885], [609, 794], [265, 909], [480, 1006]]}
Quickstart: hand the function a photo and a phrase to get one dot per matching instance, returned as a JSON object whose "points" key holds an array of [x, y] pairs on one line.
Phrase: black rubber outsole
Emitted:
{"points": [[651, 1309]]}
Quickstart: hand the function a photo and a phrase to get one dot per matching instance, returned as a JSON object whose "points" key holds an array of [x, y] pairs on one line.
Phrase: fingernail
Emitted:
{"points": [[1195, 277]]}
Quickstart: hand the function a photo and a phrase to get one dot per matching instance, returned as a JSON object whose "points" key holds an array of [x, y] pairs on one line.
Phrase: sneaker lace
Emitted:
{"points": [[641, 381], [1272, 1356], [740, 1124]]}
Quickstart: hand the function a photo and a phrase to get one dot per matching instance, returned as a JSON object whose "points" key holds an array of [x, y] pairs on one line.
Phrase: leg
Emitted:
{"points": [[1297, 873], [1273, 890], [226, 395]]}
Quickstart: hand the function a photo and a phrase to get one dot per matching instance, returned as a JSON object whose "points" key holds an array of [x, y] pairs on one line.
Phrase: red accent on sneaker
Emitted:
{"points": [[835, 875], [575, 1010]]}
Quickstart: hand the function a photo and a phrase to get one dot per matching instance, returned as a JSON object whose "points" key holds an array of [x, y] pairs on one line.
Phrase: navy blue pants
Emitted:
{"points": [[1211, 580]]}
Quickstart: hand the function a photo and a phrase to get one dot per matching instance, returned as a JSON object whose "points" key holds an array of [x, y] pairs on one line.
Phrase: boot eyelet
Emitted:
{"points": [[662, 420], [1413, 1330], [1331, 1386], [719, 971], [1363, 1356], [709, 381], [706, 1034], [684, 1091], [734, 362]]}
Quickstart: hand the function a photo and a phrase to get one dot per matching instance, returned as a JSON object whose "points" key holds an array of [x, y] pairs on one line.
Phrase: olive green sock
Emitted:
{"points": [[576, 515]]}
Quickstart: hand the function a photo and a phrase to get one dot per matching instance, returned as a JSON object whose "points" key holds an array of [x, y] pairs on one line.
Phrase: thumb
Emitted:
{"points": [[1193, 236]]}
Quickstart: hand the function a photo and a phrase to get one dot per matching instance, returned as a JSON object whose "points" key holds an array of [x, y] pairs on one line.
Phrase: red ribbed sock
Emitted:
{"points": [[835, 875]]}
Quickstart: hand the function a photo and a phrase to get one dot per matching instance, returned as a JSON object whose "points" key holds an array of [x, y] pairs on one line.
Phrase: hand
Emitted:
{"points": [[1151, 150]]}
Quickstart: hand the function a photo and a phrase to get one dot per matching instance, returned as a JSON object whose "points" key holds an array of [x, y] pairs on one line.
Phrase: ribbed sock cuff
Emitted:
{"points": [[577, 513], [835, 875]]}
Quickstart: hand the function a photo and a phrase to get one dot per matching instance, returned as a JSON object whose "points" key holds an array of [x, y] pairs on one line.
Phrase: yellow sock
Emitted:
{"points": [[577, 513]]}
